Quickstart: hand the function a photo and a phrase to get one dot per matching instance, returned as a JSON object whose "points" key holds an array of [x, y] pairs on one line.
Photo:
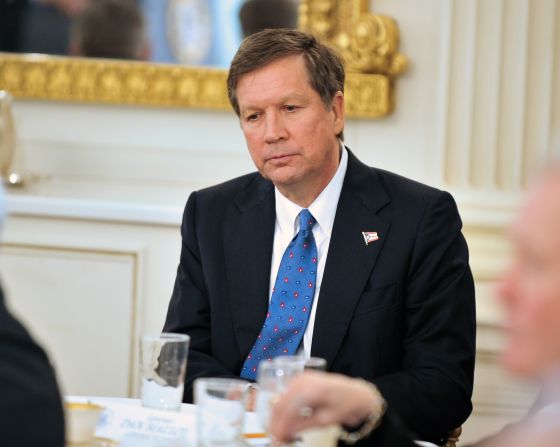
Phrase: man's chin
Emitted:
{"points": [[282, 178]]}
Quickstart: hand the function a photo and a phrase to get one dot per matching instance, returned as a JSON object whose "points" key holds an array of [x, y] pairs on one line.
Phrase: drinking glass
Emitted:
{"points": [[220, 409], [320, 436], [163, 360], [273, 377]]}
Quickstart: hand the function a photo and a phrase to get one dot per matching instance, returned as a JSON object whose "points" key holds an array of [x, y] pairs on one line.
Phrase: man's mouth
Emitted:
{"points": [[279, 158]]}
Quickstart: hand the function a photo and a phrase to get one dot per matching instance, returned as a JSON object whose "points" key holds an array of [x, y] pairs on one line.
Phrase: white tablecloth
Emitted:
{"points": [[251, 424]]}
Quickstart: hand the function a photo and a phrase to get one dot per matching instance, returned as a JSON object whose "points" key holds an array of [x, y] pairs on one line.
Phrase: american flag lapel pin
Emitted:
{"points": [[370, 236]]}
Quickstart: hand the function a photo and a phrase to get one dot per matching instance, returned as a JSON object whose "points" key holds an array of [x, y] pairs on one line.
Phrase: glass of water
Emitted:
{"points": [[320, 436], [273, 377], [220, 409], [163, 360]]}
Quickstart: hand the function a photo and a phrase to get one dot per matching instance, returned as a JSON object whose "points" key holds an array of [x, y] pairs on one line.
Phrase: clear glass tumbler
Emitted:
{"points": [[163, 360], [220, 409], [273, 377]]}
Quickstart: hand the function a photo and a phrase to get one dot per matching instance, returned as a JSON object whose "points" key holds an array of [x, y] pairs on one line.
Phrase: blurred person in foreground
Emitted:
{"points": [[30, 404], [112, 29], [530, 293]]}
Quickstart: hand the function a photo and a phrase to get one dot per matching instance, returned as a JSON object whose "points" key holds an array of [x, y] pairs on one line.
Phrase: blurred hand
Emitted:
{"points": [[317, 399]]}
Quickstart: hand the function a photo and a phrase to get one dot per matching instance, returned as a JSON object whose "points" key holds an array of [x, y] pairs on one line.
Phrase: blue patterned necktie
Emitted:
{"points": [[291, 300]]}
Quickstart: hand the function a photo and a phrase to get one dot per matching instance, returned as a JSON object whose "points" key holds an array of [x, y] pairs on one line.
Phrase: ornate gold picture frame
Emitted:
{"points": [[368, 42]]}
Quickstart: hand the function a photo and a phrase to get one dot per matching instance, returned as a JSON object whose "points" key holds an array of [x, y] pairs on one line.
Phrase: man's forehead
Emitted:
{"points": [[253, 81], [274, 71], [275, 82]]}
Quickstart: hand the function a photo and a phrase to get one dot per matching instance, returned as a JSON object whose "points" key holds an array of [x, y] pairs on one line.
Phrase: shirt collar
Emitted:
{"points": [[323, 207]]}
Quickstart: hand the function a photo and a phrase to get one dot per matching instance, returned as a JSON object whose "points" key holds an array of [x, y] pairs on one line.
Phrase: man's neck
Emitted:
{"points": [[302, 198]]}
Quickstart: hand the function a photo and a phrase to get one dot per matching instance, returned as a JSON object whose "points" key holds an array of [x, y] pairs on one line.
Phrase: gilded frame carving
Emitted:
{"points": [[368, 42]]}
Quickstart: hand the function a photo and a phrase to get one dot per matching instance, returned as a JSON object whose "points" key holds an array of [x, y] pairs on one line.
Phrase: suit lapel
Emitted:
{"points": [[349, 261], [248, 241]]}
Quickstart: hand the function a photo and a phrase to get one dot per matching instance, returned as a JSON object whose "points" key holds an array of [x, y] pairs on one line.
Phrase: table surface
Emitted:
{"points": [[252, 429]]}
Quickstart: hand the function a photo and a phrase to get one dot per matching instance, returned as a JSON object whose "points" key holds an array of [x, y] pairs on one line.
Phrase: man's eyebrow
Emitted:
{"points": [[284, 99], [248, 109]]}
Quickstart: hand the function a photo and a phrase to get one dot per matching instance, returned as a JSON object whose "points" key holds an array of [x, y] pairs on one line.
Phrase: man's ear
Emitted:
{"points": [[338, 111]]}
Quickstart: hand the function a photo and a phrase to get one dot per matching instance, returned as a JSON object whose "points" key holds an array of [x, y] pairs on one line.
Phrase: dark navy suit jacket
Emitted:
{"points": [[399, 312]]}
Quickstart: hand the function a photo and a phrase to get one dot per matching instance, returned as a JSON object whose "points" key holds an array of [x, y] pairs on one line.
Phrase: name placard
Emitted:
{"points": [[140, 426]]}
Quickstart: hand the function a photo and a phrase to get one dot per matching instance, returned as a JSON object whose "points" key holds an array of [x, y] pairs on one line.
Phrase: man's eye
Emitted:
{"points": [[290, 108], [252, 117]]}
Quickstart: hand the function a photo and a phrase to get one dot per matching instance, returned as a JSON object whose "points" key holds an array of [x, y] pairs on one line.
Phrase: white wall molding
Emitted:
{"points": [[88, 248], [102, 209], [497, 93], [80, 354]]}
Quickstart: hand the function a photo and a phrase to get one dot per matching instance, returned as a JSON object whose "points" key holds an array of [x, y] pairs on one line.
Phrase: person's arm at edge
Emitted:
{"points": [[30, 404]]}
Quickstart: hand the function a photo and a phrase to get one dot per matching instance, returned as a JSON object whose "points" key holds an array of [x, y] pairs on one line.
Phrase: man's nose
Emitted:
{"points": [[275, 130]]}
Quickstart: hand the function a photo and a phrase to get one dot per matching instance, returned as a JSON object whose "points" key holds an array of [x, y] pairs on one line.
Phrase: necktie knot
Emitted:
{"points": [[306, 220]]}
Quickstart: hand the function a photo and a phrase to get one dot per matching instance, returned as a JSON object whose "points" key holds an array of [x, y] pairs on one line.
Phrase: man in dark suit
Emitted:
{"points": [[30, 406], [388, 294]]}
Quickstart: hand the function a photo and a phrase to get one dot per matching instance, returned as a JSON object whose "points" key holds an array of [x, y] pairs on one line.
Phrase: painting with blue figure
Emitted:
{"points": [[156, 22], [193, 32], [227, 29]]}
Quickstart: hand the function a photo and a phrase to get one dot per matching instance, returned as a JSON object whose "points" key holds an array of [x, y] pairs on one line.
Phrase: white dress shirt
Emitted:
{"points": [[323, 210]]}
